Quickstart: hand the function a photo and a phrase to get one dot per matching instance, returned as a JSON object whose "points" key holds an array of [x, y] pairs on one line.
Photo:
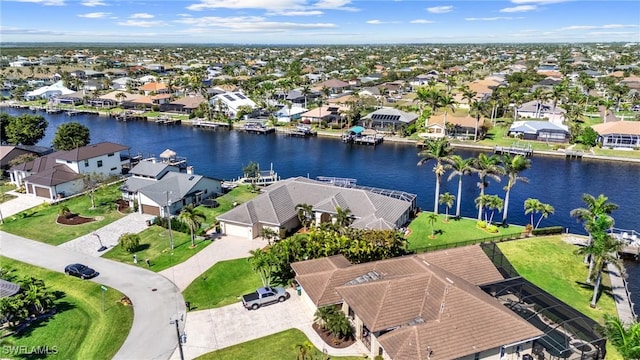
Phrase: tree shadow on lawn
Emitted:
{"points": [[26, 329], [603, 290]]}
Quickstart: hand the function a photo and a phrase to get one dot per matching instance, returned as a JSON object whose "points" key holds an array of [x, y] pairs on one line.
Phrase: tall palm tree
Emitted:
{"points": [[487, 167], [438, 149], [475, 109], [305, 214], [447, 200], [459, 167], [432, 218], [446, 102], [513, 166], [531, 206], [193, 218]]}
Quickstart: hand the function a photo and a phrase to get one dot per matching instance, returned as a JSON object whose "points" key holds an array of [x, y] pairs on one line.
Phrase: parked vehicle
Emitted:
{"points": [[81, 271], [264, 296]]}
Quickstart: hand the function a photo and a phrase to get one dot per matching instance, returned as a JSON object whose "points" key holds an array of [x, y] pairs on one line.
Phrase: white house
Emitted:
{"points": [[61, 173], [231, 102], [49, 91], [287, 114]]}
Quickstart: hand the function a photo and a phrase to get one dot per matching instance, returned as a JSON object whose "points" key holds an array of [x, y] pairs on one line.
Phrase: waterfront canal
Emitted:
{"points": [[222, 154]]}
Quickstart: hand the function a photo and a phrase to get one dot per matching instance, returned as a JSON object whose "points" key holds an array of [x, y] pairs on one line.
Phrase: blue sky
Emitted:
{"points": [[319, 21]]}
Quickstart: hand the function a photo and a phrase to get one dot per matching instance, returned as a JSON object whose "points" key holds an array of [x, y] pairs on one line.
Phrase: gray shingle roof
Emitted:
{"points": [[91, 151], [178, 185], [533, 127], [150, 169], [8, 288]]}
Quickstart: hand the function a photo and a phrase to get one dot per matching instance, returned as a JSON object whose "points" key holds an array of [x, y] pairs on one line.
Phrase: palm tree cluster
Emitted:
{"points": [[487, 167], [34, 298], [625, 337], [333, 320]]}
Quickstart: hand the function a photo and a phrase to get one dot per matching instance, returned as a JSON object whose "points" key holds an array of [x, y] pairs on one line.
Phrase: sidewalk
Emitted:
{"points": [[223, 248], [108, 235]]}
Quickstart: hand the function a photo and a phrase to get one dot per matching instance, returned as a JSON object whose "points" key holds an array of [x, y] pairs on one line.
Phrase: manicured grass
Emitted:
{"points": [[4, 187], [551, 264], [39, 223], [155, 246], [455, 231], [222, 284], [279, 346], [79, 329], [631, 154], [240, 195]]}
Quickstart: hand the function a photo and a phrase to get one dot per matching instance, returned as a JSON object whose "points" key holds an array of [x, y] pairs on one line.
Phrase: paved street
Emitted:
{"points": [[155, 298]]}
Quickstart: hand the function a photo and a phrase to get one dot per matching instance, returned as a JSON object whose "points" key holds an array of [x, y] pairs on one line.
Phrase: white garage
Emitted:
{"points": [[239, 230]]}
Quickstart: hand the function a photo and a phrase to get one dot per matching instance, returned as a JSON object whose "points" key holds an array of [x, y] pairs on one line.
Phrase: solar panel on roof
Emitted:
{"points": [[229, 98], [242, 97]]}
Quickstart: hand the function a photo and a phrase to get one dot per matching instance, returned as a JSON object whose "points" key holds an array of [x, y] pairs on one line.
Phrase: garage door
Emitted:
{"points": [[237, 230], [42, 192], [151, 210]]}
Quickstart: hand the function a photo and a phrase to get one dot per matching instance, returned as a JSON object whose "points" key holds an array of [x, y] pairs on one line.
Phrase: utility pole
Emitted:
{"points": [[169, 221], [178, 336]]}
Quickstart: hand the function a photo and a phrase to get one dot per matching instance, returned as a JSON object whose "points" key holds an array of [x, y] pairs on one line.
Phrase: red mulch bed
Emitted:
{"points": [[123, 205], [73, 219], [331, 340]]}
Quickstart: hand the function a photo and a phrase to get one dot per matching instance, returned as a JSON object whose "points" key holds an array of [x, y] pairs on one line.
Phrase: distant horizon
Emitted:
{"points": [[319, 22]]}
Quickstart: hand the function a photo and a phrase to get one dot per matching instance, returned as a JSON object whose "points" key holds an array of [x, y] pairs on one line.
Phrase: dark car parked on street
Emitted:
{"points": [[81, 271]]}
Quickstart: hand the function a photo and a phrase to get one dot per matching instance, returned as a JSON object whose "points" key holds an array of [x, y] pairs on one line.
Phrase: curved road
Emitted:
{"points": [[156, 300]]}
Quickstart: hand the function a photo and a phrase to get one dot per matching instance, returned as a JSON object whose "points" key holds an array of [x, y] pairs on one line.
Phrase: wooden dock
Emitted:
{"points": [[129, 116], [258, 129], [300, 132], [168, 121], [570, 154], [203, 124], [525, 151], [372, 140]]}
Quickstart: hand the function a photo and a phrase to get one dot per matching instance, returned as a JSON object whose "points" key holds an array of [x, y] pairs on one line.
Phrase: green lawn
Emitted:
{"points": [[551, 264], [455, 231], [155, 246], [280, 346], [39, 223], [79, 330], [240, 195], [635, 154], [222, 284], [4, 187]]}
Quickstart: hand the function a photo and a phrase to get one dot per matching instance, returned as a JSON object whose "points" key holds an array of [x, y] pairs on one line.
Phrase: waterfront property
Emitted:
{"points": [[276, 208], [541, 110], [420, 306], [160, 189], [388, 119], [539, 130], [231, 102], [61, 173], [619, 134], [10, 152]]}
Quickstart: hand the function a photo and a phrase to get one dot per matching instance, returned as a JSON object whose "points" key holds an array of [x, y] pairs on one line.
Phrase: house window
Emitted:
{"points": [[476, 356], [114, 169], [99, 163], [86, 163], [111, 154]]}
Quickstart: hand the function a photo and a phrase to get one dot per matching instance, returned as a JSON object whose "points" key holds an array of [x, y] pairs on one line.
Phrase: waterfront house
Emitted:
{"points": [[539, 130], [186, 104], [541, 110], [286, 114], [276, 209], [61, 173], [154, 88], [161, 189], [619, 134], [49, 91], [230, 102], [10, 152], [426, 306], [331, 113], [388, 120]]}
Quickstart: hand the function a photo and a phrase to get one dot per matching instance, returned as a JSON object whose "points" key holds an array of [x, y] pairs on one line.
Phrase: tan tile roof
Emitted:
{"points": [[153, 86], [465, 121], [618, 127], [464, 262]]}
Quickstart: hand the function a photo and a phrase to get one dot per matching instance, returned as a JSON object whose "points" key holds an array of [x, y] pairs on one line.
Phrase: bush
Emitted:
{"points": [[481, 224], [129, 242], [176, 225], [492, 228], [551, 230]]}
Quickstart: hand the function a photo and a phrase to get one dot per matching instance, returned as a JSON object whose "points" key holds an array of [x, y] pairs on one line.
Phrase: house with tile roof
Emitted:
{"points": [[539, 130], [619, 134], [230, 102], [541, 110], [161, 189], [276, 209], [422, 306], [62, 173]]}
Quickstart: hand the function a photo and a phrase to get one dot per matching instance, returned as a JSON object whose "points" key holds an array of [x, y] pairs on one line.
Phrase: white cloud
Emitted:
{"points": [[380, 22], [92, 3], [539, 2], [594, 27], [141, 16], [495, 18], [94, 15], [421, 21], [519, 8], [334, 5], [141, 23], [295, 13], [440, 9], [45, 2], [256, 24], [248, 4]]}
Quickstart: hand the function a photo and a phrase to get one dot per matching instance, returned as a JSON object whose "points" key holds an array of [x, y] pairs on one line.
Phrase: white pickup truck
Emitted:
{"points": [[264, 296]]}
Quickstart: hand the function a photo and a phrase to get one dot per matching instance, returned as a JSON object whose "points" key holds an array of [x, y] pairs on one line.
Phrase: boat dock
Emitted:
{"points": [[363, 139], [166, 120], [571, 154], [80, 112], [257, 128], [203, 124], [524, 150], [300, 131], [129, 116]]}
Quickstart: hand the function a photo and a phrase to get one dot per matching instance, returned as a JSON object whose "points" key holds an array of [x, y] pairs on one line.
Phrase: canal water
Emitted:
{"points": [[222, 154]]}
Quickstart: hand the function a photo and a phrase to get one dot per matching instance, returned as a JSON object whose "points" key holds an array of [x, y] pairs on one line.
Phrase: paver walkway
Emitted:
{"points": [[214, 329], [224, 247], [108, 234]]}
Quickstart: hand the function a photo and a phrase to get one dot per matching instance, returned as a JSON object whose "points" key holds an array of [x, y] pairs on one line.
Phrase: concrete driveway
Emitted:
{"points": [[213, 329], [20, 203], [155, 299]]}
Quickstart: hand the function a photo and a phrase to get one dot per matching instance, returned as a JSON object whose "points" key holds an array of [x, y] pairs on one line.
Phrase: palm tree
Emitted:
{"points": [[475, 108], [432, 218], [446, 102], [531, 206], [487, 167], [263, 264], [269, 234], [459, 167], [193, 218], [343, 217], [493, 202], [447, 200], [624, 337], [545, 210], [512, 166], [438, 149], [305, 214]]}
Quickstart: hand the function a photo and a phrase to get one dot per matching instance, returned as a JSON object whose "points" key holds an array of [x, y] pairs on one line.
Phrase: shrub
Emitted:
{"points": [[551, 230], [492, 229], [129, 242], [481, 224]]}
